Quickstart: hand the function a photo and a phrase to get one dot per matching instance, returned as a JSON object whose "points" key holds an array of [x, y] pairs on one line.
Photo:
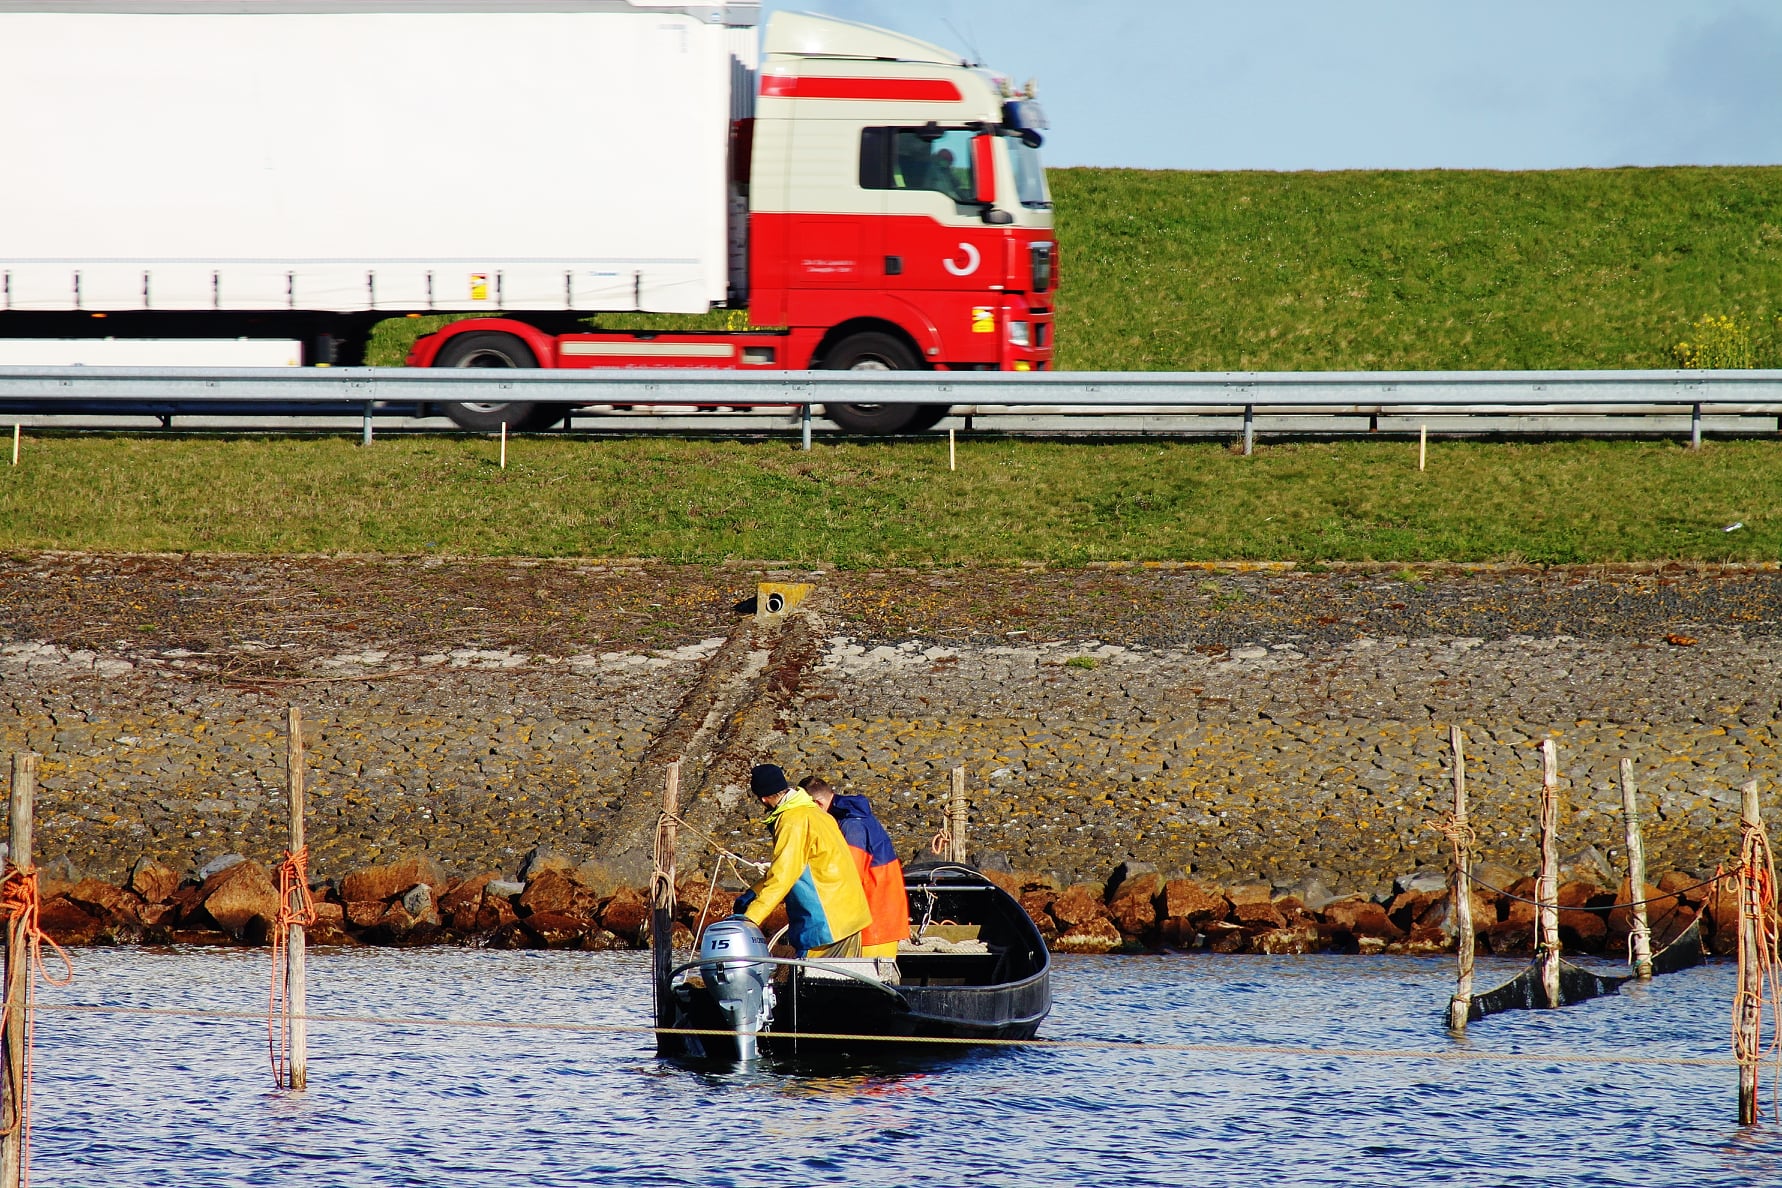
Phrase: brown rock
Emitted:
{"points": [[1424, 940], [158, 915], [1511, 938], [394, 926], [492, 913], [465, 893], [1077, 904], [1362, 917], [554, 930], [1621, 919], [187, 903], [1148, 885], [719, 905], [363, 913], [111, 904], [557, 893], [1197, 904], [151, 880], [1091, 936], [1133, 907], [1407, 907], [1250, 893], [680, 938], [392, 878], [1227, 938], [236, 897], [1298, 938], [627, 913], [599, 940], [1035, 904], [1578, 894], [1674, 881], [1582, 930], [1257, 917], [67, 923], [599, 878], [330, 925]]}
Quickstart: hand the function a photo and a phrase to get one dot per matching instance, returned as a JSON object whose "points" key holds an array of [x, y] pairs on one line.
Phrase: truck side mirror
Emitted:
{"points": [[983, 161], [997, 218]]}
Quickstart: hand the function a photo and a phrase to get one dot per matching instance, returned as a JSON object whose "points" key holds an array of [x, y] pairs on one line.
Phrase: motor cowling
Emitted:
{"points": [[740, 984]]}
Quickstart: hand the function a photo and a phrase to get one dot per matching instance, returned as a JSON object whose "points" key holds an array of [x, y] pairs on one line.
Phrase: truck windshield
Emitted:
{"points": [[1030, 175]]}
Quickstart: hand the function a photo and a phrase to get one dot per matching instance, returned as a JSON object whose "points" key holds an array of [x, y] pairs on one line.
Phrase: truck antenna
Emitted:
{"points": [[977, 59]]}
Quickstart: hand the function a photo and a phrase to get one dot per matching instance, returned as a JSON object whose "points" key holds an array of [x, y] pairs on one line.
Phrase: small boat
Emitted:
{"points": [[974, 969]]}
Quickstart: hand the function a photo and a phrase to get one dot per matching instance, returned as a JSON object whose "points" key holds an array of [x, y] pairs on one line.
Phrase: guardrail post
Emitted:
{"points": [[1249, 429], [805, 419], [365, 425]]}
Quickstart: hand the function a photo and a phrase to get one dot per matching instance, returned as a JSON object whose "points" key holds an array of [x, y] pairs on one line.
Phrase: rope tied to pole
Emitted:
{"points": [[1756, 877], [20, 903], [717, 846], [941, 843], [1460, 834], [296, 907]]}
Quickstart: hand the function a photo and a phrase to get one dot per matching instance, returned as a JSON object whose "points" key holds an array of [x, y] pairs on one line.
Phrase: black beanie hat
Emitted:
{"points": [[767, 779]]}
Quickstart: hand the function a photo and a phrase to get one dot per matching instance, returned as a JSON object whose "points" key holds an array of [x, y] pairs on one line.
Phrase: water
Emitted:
{"points": [[126, 1100]]}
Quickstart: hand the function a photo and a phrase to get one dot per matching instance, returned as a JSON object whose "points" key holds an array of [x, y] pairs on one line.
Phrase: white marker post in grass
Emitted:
{"points": [[15, 443], [1422, 446], [504, 445], [952, 451]]}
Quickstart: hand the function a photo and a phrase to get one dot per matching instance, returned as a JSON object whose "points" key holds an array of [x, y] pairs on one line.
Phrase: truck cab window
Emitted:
{"points": [[911, 159]]}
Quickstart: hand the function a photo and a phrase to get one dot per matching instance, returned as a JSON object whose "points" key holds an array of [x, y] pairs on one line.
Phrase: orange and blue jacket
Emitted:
{"points": [[813, 873], [881, 874]]}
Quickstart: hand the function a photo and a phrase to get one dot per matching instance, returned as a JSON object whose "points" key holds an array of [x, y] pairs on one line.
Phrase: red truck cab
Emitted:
{"points": [[892, 212]]}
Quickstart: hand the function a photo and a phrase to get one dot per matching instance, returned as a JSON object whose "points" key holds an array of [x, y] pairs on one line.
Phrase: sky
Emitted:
{"points": [[1376, 84]]}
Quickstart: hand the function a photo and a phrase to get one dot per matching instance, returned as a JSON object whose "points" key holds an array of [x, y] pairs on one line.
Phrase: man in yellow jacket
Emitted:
{"points": [[812, 872]]}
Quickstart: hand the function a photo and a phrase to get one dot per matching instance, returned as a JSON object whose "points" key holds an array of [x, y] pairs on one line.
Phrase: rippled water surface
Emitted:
{"points": [[133, 1100]]}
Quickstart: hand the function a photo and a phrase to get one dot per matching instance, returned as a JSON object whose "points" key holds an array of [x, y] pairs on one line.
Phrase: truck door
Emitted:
{"points": [[936, 248]]}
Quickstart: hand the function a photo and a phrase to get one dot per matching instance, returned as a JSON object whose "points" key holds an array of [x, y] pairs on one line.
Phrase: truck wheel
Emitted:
{"points": [[878, 352], [492, 349]]}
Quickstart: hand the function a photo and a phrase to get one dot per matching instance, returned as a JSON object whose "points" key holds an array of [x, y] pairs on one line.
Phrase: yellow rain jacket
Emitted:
{"points": [[813, 873]]}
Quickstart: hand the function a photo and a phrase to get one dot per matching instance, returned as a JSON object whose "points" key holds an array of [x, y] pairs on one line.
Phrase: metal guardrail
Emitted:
{"points": [[1372, 393]]}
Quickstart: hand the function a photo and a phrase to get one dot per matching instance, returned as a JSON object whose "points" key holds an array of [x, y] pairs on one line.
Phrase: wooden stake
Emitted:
{"points": [[952, 452], [956, 818], [1748, 1006], [1422, 445], [504, 445], [1547, 886], [296, 991], [662, 904], [18, 975], [1641, 935], [1461, 890]]}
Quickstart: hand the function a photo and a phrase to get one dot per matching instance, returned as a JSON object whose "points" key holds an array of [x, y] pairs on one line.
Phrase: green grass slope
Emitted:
{"points": [[1420, 270], [1361, 271]]}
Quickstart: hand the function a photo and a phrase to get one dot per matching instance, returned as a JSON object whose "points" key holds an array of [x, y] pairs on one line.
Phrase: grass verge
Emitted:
{"points": [[867, 505]]}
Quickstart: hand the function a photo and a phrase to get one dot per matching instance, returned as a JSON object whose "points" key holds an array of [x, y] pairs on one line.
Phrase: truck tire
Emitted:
{"points": [[878, 352], [488, 348]]}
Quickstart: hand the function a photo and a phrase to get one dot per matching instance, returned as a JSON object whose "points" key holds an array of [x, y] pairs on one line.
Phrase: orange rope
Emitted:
{"points": [[1757, 902], [20, 903], [293, 882]]}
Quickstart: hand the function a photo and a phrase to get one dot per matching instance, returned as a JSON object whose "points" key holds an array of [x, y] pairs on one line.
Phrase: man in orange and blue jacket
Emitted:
{"points": [[812, 873], [881, 873]]}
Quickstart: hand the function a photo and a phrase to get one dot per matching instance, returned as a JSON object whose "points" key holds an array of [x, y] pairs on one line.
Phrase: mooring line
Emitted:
{"points": [[1220, 1049]]}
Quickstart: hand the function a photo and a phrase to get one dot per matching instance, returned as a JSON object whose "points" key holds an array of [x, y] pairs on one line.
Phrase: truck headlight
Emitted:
{"points": [[1021, 334]]}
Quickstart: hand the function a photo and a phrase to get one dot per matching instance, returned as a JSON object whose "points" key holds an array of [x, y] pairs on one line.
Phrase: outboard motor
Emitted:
{"points": [[741, 987]]}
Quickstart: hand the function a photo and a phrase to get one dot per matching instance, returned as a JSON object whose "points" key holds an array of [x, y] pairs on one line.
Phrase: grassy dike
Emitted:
{"points": [[1418, 270], [867, 505]]}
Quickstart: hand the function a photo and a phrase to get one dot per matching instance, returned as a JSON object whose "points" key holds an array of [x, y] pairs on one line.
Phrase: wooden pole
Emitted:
{"points": [[1641, 934], [1748, 1008], [18, 975], [1461, 889], [296, 990], [662, 904], [956, 818], [1547, 886]]}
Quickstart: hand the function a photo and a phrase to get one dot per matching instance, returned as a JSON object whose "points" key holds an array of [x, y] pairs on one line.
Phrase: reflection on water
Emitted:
{"points": [[173, 1101]]}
